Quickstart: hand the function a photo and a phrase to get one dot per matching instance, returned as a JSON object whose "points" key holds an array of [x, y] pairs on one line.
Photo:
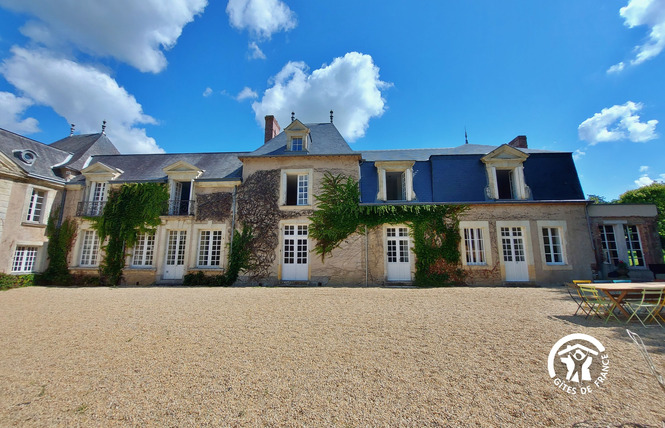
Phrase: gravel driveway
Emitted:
{"points": [[308, 357]]}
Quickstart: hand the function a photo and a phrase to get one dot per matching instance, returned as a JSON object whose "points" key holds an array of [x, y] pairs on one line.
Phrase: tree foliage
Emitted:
{"points": [[131, 210], [434, 228], [651, 194]]}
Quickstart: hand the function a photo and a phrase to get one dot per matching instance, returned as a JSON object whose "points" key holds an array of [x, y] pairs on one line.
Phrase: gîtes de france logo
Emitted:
{"points": [[578, 363]]}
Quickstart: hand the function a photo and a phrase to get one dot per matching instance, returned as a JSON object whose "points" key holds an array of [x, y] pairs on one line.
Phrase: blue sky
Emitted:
{"points": [[584, 77]]}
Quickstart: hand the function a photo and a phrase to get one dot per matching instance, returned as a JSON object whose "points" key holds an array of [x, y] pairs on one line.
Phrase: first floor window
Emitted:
{"points": [[633, 246], [210, 248], [24, 259], [609, 244], [553, 246], [144, 250], [89, 248], [396, 186], [475, 247], [621, 242], [297, 189], [36, 206]]}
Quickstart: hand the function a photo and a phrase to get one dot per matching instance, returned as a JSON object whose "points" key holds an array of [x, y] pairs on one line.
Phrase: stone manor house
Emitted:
{"points": [[528, 220]]}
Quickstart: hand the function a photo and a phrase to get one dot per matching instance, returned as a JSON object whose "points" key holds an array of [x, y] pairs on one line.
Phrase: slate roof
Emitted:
{"points": [[149, 167], [83, 147], [46, 156], [325, 139]]}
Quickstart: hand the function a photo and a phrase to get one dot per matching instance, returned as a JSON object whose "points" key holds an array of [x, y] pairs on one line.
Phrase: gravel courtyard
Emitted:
{"points": [[308, 357]]}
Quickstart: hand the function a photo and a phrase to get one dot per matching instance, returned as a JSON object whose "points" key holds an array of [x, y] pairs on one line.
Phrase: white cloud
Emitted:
{"points": [[261, 17], [652, 14], [255, 51], [83, 95], [207, 92], [246, 93], [134, 32], [579, 154], [616, 68], [350, 86], [615, 123], [644, 168], [643, 181], [12, 107]]}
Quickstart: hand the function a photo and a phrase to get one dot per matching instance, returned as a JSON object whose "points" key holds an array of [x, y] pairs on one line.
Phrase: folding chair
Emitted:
{"points": [[651, 303], [574, 292], [598, 302], [643, 350]]}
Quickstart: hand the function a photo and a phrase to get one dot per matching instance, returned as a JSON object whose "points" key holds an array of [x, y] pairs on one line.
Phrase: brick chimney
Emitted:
{"points": [[272, 128], [518, 142]]}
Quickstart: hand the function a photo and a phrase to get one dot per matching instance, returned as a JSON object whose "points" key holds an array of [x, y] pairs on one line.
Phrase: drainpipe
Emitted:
{"points": [[593, 244], [366, 258]]}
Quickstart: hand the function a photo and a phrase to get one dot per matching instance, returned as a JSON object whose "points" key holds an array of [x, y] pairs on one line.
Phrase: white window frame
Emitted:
{"points": [[622, 246], [206, 261], [89, 248], [483, 226], [301, 203], [404, 167], [37, 202], [25, 259], [562, 227], [143, 254]]}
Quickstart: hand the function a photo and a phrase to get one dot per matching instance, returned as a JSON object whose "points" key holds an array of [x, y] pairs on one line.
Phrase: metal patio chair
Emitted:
{"points": [[650, 304], [600, 304], [574, 292]]}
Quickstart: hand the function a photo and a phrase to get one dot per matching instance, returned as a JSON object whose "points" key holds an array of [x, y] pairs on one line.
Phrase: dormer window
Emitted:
{"points": [[395, 181], [505, 174], [296, 144]]}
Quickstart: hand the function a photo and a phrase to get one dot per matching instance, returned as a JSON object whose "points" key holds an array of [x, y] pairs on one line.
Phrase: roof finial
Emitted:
{"points": [[71, 129], [466, 137], [293, 116], [331, 116], [103, 126]]}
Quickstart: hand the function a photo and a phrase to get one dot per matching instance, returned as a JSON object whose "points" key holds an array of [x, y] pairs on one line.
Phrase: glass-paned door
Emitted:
{"points": [[514, 255], [175, 254], [398, 263], [295, 254]]}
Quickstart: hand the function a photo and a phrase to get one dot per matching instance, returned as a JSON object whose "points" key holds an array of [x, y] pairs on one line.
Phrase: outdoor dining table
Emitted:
{"points": [[618, 291]]}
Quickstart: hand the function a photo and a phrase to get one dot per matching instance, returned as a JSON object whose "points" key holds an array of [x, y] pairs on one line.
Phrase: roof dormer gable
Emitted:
{"points": [[182, 170], [100, 172], [505, 154], [297, 137]]}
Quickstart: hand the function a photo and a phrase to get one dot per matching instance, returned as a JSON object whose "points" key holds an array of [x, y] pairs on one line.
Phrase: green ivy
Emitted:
{"points": [[238, 260], [60, 241], [131, 210], [8, 281], [434, 228]]}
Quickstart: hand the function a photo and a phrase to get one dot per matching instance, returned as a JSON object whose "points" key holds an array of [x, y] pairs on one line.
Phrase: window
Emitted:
{"points": [[24, 259], [296, 144], [475, 246], [89, 248], [97, 198], [180, 204], [552, 245], [628, 249], [144, 250], [398, 244], [395, 180], [210, 248], [36, 206], [504, 182], [297, 189]]}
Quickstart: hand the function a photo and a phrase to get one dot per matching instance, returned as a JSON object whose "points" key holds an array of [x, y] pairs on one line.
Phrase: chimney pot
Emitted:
{"points": [[519, 142], [272, 128]]}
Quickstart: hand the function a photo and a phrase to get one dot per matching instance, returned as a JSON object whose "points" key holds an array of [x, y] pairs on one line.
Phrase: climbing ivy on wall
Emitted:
{"points": [[434, 228], [131, 210], [60, 241]]}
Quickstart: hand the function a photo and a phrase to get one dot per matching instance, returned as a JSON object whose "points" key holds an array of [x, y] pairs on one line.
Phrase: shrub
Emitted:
{"points": [[16, 281]]}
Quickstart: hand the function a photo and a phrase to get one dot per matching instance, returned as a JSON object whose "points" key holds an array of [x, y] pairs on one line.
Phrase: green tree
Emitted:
{"points": [[597, 199], [651, 194]]}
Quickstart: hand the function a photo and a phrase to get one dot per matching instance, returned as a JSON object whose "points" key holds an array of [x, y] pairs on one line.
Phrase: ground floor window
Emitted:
{"points": [[24, 259], [89, 248], [210, 248], [621, 242], [553, 245], [474, 246], [144, 250]]}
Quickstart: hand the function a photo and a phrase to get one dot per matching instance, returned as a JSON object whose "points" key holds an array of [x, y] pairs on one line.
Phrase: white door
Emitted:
{"points": [[514, 256], [398, 264], [175, 254], [295, 261]]}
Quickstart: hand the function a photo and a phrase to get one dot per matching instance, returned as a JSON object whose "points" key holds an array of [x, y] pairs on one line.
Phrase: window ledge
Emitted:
{"points": [[33, 224], [142, 268], [557, 267], [295, 207], [483, 266]]}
